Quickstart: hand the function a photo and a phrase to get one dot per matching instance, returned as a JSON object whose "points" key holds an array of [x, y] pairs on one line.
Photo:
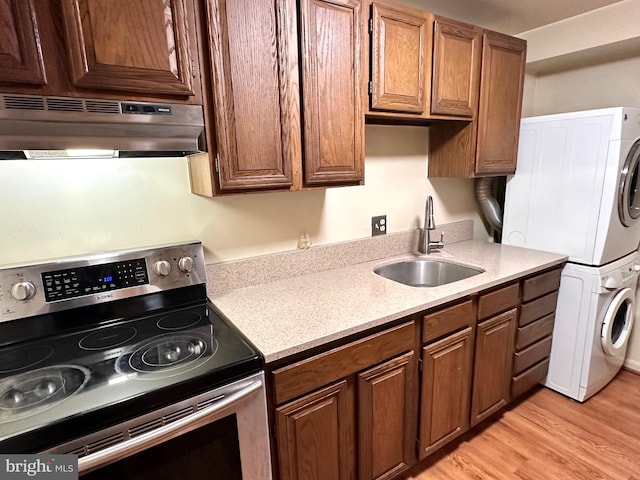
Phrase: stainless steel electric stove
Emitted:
{"points": [[88, 345]]}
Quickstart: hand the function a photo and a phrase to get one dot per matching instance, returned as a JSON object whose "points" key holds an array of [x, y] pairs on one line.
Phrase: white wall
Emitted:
{"points": [[608, 27], [598, 86], [68, 207]]}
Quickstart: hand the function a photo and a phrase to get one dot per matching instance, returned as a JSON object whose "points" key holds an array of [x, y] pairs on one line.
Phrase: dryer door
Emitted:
{"points": [[617, 323], [629, 192]]}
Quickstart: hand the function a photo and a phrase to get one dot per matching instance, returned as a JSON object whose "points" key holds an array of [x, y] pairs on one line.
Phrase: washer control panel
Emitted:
{"points": [[621, 276]]}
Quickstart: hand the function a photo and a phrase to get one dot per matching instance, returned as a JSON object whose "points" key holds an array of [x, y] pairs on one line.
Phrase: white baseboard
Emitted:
{"points": [[632, 365]]}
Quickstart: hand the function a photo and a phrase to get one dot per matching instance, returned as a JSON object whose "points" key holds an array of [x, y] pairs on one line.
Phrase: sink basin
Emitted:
{"points": [[426, 273]]}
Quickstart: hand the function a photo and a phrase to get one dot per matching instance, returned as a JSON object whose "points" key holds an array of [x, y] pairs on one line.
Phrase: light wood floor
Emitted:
{"points": [[547, 437]]}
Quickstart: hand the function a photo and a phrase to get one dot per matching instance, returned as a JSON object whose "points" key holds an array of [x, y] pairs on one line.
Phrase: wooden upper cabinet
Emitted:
{"points": [[130, 46], [488, 145], [503, 63], [20, 53], [251, 89], [284, 98], [400, 58], [333, 118], [457, 50]]}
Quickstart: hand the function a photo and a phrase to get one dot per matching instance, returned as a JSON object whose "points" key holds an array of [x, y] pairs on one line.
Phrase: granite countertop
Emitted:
{"points": [[291, 315]]}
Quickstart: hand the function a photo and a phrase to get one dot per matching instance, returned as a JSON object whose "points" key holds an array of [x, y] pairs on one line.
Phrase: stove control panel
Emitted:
{"points": [[75, 282]]}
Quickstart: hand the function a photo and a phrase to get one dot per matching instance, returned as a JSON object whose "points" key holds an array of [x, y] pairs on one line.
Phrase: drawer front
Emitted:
{"points": [[529, 378], [538, 308], [498, 301], [448, 320], [312, 373], [541, 284], [531, 355], [534, 331]]}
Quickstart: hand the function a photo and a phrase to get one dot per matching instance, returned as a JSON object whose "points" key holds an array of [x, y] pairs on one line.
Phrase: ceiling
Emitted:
{"points": [[509, 16]]}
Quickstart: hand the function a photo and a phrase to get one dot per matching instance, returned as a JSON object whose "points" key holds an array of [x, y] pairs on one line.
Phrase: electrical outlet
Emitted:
{"points": [[378, 225]]}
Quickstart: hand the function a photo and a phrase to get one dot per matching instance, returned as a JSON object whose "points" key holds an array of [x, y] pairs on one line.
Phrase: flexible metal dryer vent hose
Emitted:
{"points": [[488, 204]]}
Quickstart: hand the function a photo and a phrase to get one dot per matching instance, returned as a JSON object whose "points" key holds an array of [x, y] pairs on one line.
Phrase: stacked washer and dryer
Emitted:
{"points": [[576, 191]]}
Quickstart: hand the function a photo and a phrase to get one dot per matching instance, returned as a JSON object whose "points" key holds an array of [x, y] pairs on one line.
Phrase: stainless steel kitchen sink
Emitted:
{"points": [[426, 272]]}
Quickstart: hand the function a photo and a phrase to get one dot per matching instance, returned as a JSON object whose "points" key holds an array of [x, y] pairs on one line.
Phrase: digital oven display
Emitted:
{"points": [[77, 282]]}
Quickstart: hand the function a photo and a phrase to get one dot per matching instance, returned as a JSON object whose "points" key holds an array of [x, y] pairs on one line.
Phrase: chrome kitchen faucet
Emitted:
{"points": [[427, 245]]}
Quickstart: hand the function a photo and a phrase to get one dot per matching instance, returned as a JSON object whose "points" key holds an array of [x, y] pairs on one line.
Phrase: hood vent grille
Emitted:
{"points": [[97, 106], [58, 104], [23, 103], [65, 105]]}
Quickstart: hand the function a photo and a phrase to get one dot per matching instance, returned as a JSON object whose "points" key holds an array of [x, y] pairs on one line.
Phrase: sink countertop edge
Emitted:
{"points": [[292, 315]]}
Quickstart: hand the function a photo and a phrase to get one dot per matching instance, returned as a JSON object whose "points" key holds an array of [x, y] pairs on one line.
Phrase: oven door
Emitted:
{"points": [[220, 435]]}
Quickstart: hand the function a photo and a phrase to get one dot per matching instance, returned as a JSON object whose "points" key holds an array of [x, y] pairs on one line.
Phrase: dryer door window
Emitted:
{"points": [[629, 193], [617, 324]]}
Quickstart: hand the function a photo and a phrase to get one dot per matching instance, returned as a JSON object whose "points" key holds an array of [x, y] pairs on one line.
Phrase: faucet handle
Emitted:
{"points": [[441, 237]]}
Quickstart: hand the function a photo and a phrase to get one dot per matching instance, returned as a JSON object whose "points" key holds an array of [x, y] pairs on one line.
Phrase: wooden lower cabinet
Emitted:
{"points": [[446, 384], [349, 413], [535, 329], [493, 365], [385, 419], [315, 435]]}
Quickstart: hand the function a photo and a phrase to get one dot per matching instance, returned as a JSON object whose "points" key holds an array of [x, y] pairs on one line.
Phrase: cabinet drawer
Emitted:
{"points": [[538, 308], [531, 355], [541, 284], [448, 320], [534, 331], [306, 375], [529, 378], [498, 301]]}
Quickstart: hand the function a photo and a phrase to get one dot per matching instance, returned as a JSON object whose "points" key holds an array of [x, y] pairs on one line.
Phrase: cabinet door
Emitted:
{"points": [[502, 81], [131, 46], [493, 364], [446, 386], [400, 46], [332, 115], [386, 419], [315, 435], [456, 68], [20, 53], [254, 106]]}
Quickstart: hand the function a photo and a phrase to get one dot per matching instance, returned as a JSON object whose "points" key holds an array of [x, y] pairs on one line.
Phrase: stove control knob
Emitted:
{"points": [[162, 268], [185, 264], [23, 291]]}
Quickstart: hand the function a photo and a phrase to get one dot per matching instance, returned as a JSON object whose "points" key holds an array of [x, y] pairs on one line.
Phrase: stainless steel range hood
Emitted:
{"points": [[30, 122]]}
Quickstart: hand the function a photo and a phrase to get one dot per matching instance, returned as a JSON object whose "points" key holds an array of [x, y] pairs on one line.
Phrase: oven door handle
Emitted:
{"points": [[219, 409]]}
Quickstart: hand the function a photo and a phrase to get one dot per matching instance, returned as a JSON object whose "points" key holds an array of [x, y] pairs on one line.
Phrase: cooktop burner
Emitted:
{"points": [[107, 338], [16, 359], [167, 355], [178, 322], [33, 392]]}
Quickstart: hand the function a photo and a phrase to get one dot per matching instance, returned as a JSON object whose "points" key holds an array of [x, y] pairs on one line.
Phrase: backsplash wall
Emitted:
{"points": [[58, 208]]}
